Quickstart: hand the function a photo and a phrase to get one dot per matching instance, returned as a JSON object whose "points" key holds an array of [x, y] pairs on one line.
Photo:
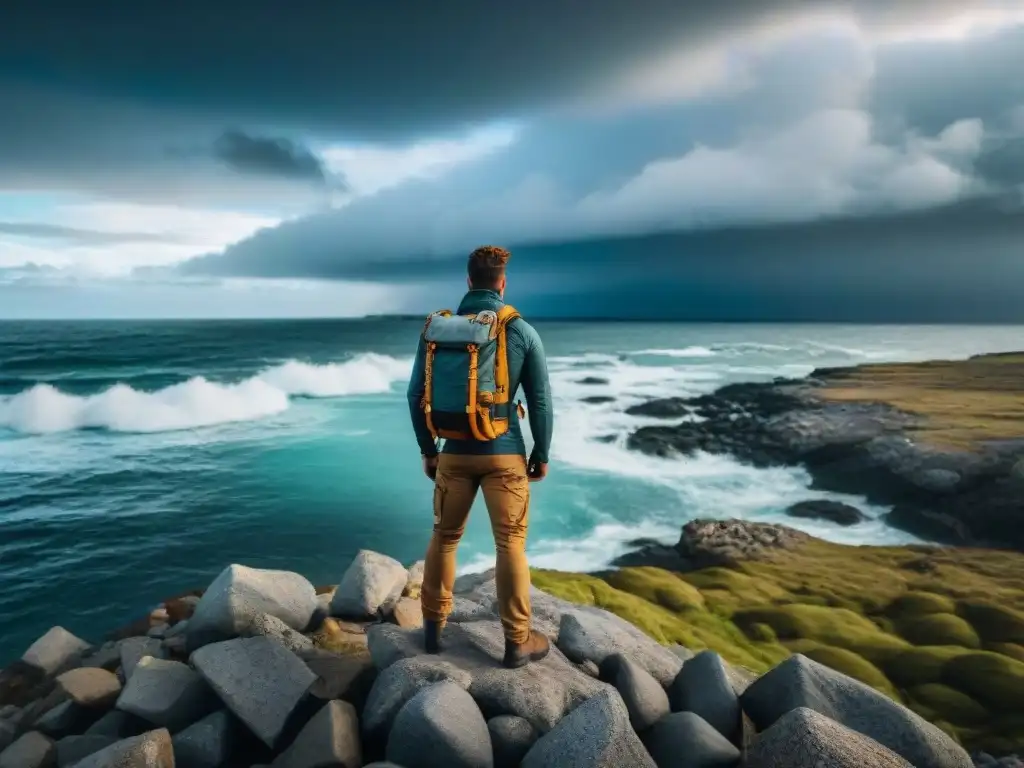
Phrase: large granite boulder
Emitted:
{"points": [[400, 682], [207, 743], [371, 581], [595, 635], [90, 686], [703, 687], [55, 651], [802, 738], [133, 649], [596, 734], [346, 677], [801, 682], [441, 725], [240, 595], [259, 680], [686, 740], [511, 739], [150, 750], [167, 694], [542, 692], [330, 738], [266, 625], [72, 749], [645, 699]]}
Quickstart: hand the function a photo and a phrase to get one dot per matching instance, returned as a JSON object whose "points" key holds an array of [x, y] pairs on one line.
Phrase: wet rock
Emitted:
{"points": [[32, 750], [167, 694], [260, 681], [441, 725], [331, 738], [118, 724], [666, 408], [150, 750], [800, 682], [593, 381], [703, 687], [239, 595], [370, 581], [56, 651], [397, 684], [107, 656], [90, 686], [22, 683], [207, 743], [597, 399], [802, 738], [65, 719], [685, 740], [824, 509], [645, 699], [596, 734]]}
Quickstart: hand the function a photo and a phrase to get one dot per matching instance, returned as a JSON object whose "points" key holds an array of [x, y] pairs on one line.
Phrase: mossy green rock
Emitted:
{"points": [[940, 630]]}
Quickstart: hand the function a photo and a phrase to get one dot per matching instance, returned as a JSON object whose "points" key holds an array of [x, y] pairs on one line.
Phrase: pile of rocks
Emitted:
{"points": [[261, 670]]}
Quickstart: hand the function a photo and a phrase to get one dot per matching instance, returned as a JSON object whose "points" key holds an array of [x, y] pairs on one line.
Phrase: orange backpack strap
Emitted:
{"points": [[428, 373], [506, 315]]}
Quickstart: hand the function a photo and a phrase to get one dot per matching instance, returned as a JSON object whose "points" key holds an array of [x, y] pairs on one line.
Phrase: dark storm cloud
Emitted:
{"points": [[82, 236], [372, 70], [271, 156]]}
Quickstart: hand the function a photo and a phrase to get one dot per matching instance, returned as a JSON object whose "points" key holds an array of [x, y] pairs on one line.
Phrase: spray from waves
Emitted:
{"points": [[197, 402], [685, 352]]}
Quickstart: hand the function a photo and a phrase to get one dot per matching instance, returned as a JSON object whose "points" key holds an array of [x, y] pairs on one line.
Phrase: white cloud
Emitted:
{"points": [[369, 169]]}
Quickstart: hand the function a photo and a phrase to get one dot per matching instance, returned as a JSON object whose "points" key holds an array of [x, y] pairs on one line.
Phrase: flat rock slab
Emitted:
{"points": [[596, 734], [150, 750], [372, 579], [441, 725], [589, 635], [686, 740], [803, 738], [239, 595], [55, 651], [542, 692], [330, 738], [90, 686], [801, 682], [32, 750], [259, 680], [408, 613], [205, 744]]}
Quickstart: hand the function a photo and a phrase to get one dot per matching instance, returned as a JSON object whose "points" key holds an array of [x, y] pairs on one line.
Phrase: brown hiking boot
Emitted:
{"points": [[535, 648]]}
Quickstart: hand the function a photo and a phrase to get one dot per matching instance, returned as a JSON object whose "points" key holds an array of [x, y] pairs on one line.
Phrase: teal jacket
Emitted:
{"points": [[527, 367]]}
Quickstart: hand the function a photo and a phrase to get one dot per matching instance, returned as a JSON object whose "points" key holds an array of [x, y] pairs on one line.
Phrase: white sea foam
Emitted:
{"points": [[679, 353], [197, 402]]}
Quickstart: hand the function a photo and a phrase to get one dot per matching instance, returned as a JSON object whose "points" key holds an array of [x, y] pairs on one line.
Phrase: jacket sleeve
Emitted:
{"points": [[537, 388], [417, 384]]}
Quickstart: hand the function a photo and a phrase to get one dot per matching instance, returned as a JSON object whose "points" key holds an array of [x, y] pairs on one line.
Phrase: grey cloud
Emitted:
{"points": [[83, 236], [271, 156]]}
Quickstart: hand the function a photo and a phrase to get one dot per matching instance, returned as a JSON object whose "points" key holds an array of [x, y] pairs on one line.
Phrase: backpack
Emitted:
{"points": [[466, 389]]}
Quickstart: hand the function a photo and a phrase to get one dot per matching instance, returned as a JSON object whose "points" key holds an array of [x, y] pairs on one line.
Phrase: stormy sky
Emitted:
{"points": [[779, 160]]}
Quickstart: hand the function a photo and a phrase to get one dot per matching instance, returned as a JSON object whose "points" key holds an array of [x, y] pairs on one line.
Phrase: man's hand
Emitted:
{"points": [[536, 470], [430, 467]]}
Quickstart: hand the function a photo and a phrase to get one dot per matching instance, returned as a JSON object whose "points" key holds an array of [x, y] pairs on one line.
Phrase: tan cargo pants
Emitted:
{"points": [[507, 494]]}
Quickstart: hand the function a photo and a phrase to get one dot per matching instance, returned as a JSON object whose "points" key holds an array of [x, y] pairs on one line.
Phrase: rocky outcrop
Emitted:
{"points": [[960, 494], [607, 695], [825, 509]]}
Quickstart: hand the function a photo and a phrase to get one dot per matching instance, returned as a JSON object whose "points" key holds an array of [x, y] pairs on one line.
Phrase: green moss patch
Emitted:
{"points": [[996, 681], [950, 704], [920, 666], [994, 623], [921, 604], [938, 629]]}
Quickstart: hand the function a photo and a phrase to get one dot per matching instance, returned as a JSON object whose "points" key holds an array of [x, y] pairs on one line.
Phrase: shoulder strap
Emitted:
{"points": [[506, 315]]}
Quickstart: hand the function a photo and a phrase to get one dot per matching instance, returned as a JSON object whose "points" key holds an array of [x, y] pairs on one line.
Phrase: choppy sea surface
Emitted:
{"points": [[138, 459]]}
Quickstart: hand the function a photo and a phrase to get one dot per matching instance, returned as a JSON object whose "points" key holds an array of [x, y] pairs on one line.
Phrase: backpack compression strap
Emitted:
{"points": [[428, 373]]}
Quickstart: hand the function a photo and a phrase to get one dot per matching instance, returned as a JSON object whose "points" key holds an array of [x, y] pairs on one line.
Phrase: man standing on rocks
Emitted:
{"points": [[468, 368]]}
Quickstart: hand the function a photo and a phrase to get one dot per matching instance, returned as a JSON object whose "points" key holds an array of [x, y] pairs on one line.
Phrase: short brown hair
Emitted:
{"points": [[487, 266]]}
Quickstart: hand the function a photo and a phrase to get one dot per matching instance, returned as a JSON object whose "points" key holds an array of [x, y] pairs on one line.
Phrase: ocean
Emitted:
{"points": [[137, 459]]}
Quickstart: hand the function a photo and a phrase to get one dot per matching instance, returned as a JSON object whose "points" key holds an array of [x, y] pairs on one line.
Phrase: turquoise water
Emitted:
{"points": [[137, 460]]}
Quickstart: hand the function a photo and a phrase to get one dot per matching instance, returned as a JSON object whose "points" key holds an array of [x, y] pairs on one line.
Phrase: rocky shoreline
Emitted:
{"points": [[260, 669], [942, 443]]}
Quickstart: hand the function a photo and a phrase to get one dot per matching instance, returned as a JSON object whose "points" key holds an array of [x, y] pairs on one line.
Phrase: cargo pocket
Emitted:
{"points": [[440, 494], [517, 486]]}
